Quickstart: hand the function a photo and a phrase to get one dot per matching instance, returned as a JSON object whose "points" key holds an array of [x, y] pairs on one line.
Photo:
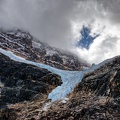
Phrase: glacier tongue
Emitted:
{"points": [[69, 78]]}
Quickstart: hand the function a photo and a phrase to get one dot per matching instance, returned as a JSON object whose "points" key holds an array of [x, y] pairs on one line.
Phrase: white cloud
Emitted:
{"points": [[58, 22], [105, 46]]}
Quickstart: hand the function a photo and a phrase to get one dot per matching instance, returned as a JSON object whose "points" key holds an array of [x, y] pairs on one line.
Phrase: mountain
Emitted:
{"points": [[96, 97], [25, 45], [37, 83], [69, 78], [96, 94]]}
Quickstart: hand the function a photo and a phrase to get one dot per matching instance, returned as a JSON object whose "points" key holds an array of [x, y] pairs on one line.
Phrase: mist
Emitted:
{"points": [[58, 23]]}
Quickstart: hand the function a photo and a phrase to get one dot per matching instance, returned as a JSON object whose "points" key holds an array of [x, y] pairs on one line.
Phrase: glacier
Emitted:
{"points": [[69, 78]]}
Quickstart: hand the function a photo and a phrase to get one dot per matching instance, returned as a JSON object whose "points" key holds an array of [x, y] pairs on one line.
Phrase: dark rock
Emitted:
{"points": [[96, 97], [23, 82], [24, 45], [103, 81]]}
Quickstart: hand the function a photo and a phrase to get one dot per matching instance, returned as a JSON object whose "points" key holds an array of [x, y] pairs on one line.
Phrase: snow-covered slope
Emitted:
{"points": [[69, 78], [23, 44]]}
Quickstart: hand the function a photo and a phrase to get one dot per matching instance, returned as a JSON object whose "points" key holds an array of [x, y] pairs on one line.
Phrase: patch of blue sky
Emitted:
{"points": [[86, 39]]}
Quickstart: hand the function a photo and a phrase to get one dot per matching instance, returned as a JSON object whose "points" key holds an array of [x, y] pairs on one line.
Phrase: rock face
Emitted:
{"points": [[96, 97], [23, 44], [24, 89], [104, 81], [22, 82]]}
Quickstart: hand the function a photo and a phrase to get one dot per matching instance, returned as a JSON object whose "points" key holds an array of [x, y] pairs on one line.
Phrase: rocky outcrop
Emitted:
{"points": [[23, 44], [104, 81], [96, 97], [23, 82]]}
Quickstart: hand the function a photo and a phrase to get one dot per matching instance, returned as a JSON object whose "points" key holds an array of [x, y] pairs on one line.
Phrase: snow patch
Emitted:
{"points": [[64, 100], [47, 105], [50, 52], [36, 44]]}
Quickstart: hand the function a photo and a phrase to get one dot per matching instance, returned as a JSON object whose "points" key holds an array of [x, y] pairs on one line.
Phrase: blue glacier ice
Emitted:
{"points": [[69, 78]]}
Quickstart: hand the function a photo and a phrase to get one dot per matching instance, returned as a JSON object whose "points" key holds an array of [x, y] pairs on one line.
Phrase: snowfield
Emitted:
{"points": [[69, 78]]}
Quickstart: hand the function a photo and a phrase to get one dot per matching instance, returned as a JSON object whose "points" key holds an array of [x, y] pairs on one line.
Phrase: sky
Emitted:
{"points": [[88, 28], [86, 38]]}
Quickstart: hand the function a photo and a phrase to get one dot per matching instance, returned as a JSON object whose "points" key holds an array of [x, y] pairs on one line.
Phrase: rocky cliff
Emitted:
{"points": [[23, 82], [24, 88], [96, 97], [25, 45]]}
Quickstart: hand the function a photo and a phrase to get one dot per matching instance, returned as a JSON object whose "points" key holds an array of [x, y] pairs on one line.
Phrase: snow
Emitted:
{"points": [[36, 44], [64, 100], [9, 39], [69, 78], [50, 52], [47, 105], [1, 85]]}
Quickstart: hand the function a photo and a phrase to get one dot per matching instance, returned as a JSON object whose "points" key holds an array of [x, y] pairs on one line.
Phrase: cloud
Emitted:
{"points": [[50, 21], [103, 18], [105, 46], [58, 23]]}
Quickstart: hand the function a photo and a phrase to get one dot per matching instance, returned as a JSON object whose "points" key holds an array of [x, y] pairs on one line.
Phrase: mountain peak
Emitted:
{"points": [[25, 45]]}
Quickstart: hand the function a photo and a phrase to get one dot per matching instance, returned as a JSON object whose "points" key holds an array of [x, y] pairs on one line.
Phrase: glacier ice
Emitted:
{"points": [[69, 78]]}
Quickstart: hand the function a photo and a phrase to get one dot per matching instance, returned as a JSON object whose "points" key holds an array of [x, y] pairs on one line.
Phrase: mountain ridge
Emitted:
{"points": [[30, 90], [96, 96], [25, 45]]}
